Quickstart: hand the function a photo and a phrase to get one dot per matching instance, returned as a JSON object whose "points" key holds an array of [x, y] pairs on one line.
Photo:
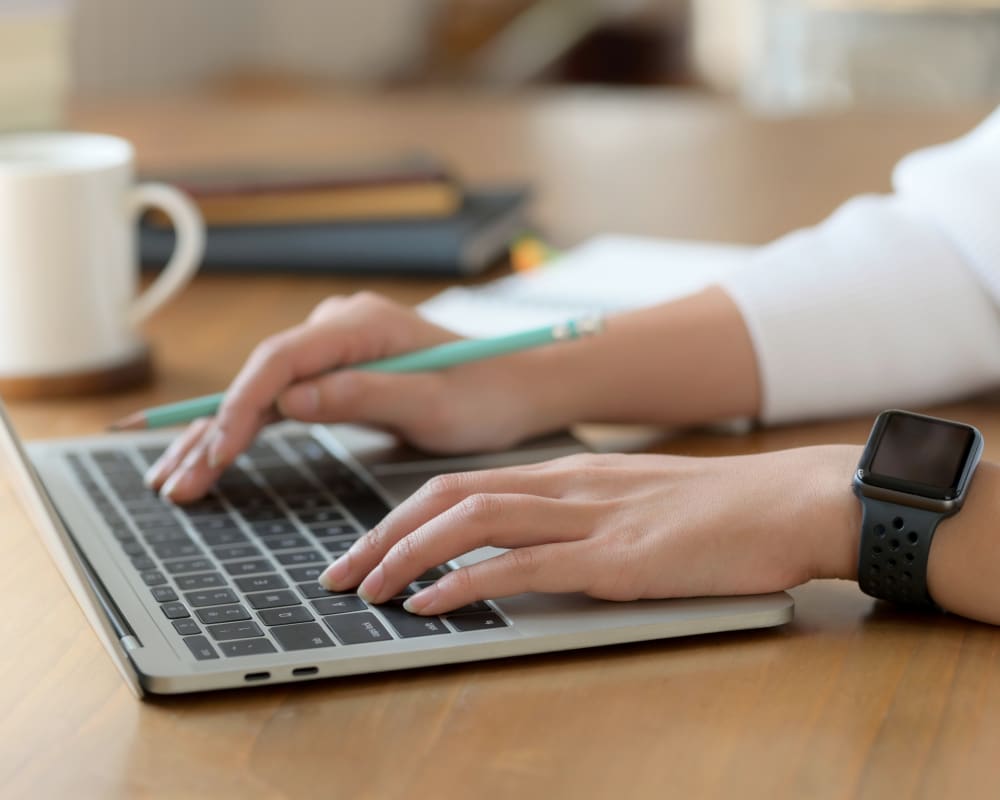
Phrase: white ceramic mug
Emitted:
{"points": [[68, 258]]}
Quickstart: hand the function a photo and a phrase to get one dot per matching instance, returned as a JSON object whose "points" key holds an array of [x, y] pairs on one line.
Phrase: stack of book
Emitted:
{"points": [[408, 216]]}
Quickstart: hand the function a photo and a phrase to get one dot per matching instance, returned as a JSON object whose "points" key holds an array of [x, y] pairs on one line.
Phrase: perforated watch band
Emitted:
{"points": [[895, 545]]}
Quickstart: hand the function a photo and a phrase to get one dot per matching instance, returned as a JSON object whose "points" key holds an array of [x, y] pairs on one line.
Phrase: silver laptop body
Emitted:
{"points": [[57, 482]]}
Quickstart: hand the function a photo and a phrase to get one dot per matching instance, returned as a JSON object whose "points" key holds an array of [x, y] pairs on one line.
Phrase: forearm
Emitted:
{"points": [[680, 363]]}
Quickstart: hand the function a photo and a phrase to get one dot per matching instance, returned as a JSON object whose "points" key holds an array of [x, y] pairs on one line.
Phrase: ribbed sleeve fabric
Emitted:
{"points": [[891, 301]]}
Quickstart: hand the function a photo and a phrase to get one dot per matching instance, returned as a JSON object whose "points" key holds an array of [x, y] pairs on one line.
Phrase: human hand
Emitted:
{"points": [[478, 406], [618, 527]]}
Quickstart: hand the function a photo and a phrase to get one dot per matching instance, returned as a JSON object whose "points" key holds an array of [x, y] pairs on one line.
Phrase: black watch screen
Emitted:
{"points": [[918, 455], [914, 472]]}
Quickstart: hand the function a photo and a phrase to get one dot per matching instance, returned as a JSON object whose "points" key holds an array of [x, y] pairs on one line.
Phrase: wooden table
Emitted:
{"points": [[848, 700]]}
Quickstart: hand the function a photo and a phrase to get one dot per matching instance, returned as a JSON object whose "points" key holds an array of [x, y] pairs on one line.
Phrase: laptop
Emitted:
{"points": [[223, 593]]}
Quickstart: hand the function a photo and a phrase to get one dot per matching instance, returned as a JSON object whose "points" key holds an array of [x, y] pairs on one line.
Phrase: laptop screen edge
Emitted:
{"points": [[41, 512]]}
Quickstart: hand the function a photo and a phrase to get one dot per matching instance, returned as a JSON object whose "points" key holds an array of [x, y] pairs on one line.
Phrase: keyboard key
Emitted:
{"points": [[283, 597], [143, 563], [337, 547], [247, 647], [305, 574], [186, 627], [323, 515], [153, 577], [210, 597], [220, 538], [174, 610], [357, 628], [231, 552], [301, 557], [313, 590], [310, 501], [207, 580], [215, 614], [342, 604], [287, 542], [177, 549], [188, 565], [272, 519], [151, 454], [133, 547], [261, 583], [200, 648], [235, 630], [249, 567], [175, 534], [304, 636], [164, 594], [277, 526], [336, 529], [480, 621], [285, 616], [215, 524], [410, 625], [478, 605], [368, 510]]}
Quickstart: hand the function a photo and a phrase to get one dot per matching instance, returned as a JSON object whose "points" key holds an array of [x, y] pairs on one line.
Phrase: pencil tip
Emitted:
{"points": [[133, 422]]}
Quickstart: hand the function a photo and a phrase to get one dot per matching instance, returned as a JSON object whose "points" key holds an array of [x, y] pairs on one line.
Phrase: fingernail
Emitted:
{"points": [[300, 401], [152, 475], [216, 449], [171, 485], [372, 585], [335, 574], [421, 601]]}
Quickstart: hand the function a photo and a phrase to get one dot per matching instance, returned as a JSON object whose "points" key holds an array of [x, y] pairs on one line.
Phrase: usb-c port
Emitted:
{"points": [[302, 671], [257, 676]]}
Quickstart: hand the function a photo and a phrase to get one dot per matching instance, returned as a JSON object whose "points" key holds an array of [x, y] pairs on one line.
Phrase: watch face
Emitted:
{"points": [[919, 455]]}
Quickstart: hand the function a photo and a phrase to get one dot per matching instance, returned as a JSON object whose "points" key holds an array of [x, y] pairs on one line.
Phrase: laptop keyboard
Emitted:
{"points": [[235, 572]]}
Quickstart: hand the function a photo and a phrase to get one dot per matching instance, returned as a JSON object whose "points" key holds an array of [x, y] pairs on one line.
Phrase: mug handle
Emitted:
{"points": [[188, 250]]}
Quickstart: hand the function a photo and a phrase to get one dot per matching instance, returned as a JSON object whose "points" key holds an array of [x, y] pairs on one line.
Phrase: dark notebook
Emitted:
{"points": [[463, 244]]}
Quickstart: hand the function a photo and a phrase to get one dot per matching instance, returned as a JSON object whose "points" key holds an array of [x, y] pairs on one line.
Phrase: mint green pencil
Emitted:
{"points": [[441, 357]]}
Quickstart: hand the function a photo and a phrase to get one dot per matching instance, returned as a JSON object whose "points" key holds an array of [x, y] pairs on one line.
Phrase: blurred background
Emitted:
{"points": [[775, 56]]}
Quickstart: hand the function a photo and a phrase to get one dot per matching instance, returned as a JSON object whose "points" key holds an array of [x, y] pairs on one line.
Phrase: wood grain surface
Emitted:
{"points": [[851, 699]]}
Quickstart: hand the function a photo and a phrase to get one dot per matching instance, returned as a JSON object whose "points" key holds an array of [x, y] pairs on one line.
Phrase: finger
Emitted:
{"points": [[194, 476], [368, 397], [341, 331], [560, 567], [275, 364], [165, 465], [435, 497], [498, 520]]}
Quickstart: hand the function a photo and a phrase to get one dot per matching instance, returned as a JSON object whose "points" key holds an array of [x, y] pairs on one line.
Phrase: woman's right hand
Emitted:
{"points": [[295, 375]]}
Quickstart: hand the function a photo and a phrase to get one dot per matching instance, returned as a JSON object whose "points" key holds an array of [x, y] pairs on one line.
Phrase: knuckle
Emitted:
{"points": [[444, 486], [480, 507], [617, 578], [524, 561], [328, 307], [269, 351], [405, 551], [369, 301], [375, 539], [462, 582]]}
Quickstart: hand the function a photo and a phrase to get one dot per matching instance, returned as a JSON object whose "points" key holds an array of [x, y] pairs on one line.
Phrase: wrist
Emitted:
{"points": [[835, 522]]}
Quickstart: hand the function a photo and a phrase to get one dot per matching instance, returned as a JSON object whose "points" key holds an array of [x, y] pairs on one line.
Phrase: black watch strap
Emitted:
{"points": [[895, 545]]}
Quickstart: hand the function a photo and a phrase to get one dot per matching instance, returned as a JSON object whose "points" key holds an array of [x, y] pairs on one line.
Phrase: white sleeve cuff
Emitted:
{"points": [[873, 308]]}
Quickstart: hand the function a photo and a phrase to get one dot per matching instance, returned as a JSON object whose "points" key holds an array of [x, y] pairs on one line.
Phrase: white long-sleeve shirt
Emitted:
{"points": [[893, 300]]}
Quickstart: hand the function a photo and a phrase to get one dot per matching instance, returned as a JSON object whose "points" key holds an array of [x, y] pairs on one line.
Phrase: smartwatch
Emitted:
{"points": [[914, 472]]}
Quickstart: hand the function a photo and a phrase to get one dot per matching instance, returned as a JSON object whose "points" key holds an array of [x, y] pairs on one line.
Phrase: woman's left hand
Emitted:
{"points": [[618, 527]]}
